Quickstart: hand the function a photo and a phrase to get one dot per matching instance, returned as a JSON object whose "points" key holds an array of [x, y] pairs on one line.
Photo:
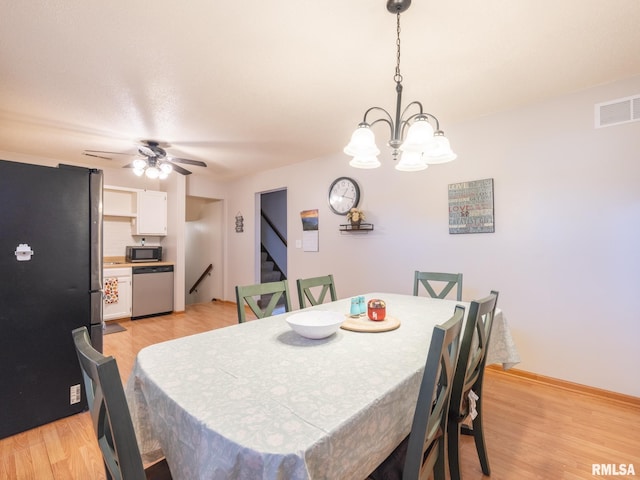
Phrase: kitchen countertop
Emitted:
{"points": [[119, 262]]}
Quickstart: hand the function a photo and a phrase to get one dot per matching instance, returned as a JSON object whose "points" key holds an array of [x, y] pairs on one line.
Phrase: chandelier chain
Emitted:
{"points": [[398, 77]]}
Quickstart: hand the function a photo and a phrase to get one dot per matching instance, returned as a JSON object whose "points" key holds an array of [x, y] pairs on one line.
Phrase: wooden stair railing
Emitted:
{"points": [[206, 272]]}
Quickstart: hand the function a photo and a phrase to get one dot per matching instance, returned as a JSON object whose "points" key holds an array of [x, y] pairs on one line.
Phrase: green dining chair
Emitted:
{"points": [[269, 294], [469, 376], [315, 290], [429, 280], [110, 415], [422, 455]]}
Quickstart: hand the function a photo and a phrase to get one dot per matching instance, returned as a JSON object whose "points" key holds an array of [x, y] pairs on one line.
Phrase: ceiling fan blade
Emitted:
{"points": [[155, 143], [181, 170], [147, 151], [128, 165], [188, 162], [112, 153], [97, 156]]}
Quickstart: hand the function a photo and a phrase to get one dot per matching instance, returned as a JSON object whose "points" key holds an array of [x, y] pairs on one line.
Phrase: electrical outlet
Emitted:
{"points": [[75, 393]]}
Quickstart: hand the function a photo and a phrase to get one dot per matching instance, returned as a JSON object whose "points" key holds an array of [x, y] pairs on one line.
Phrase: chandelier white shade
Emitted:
{"points": [[365, 162], [419, 136], [363, 149], [411, 162], [424, 144], [440, 151], [363, 142]]}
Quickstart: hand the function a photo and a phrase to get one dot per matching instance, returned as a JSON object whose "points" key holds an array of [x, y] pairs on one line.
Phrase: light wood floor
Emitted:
{"points": [[533, 430]]}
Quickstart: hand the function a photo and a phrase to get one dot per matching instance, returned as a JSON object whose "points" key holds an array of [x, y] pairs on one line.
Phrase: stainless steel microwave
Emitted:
{"points": [[143, 254]]}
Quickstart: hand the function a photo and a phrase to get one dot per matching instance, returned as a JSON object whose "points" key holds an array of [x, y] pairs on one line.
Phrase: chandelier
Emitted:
{"points": [[424, 145]]}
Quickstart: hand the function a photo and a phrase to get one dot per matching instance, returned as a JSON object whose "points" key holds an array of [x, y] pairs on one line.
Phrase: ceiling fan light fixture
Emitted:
{"points": [[151, 156], [152, 173], [139, 164]]}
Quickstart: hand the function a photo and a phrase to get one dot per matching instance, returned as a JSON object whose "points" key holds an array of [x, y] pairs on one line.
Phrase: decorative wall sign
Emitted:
{"points": [[239, 223], [471, 207]]}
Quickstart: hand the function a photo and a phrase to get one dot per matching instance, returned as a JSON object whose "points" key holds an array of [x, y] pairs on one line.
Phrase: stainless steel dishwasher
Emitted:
{"points": [[151, 291]]}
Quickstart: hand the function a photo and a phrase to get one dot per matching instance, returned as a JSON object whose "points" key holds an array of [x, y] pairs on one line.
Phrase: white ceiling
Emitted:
{"points": [[254, 84]]}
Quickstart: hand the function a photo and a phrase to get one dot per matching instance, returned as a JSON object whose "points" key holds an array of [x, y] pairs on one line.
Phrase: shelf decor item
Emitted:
{"points": [[355, 217]]}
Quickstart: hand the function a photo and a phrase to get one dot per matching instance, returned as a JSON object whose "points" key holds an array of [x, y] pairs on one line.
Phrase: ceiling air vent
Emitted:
{"points": [[615, 112]]}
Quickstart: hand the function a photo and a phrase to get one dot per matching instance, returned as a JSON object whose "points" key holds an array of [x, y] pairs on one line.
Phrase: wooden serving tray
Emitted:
{"points": [[363, 324]]}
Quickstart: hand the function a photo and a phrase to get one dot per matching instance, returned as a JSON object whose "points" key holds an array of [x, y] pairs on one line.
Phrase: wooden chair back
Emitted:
{"points": [[422, 455], [426, 450], [110, 414], [255, 296], [429, 280], [469, 376], [315, 290]]}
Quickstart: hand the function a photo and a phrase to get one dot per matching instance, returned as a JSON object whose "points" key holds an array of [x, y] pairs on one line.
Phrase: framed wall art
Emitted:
{"points": [[309, 230], [471, 207]]}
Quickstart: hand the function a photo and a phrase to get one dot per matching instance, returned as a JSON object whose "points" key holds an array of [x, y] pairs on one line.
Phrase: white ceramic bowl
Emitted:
{"points": [[316, 323]]}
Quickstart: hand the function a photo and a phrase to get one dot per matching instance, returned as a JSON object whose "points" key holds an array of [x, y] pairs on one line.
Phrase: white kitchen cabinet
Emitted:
{"points": [[151, 213], [117, 293]]}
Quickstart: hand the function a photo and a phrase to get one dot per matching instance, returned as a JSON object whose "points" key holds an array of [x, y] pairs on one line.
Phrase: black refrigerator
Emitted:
{"points": [[51, 265]]}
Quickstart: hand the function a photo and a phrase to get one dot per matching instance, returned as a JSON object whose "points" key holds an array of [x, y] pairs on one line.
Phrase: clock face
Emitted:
{"points": [[344, 194]]}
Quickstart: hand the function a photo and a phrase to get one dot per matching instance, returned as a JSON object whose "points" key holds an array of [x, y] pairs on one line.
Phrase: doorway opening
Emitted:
{"points": [[204, 247], [272, 241]]}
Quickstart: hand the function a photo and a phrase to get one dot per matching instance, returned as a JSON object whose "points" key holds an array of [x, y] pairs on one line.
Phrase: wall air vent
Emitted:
{"points": [[615, 112]]}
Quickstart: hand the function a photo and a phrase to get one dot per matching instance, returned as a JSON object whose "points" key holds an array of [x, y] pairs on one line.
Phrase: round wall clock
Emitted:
{"points": [[344, 194]]}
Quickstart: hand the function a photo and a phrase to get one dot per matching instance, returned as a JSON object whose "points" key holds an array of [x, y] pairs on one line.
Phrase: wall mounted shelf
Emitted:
{"points": [[119, 202], [363, 227]]}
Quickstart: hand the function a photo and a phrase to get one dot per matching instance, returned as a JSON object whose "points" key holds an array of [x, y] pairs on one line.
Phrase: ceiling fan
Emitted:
{"points": [[155, 164]]}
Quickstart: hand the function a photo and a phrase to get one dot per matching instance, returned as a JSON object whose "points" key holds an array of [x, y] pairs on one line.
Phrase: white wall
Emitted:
{"points": [[173, 245], [564, 255], [117, 236], [204, 246]]}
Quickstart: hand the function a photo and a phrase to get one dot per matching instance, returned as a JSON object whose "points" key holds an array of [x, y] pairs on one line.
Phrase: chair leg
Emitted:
{"points": [[478, 436], [440, 468], [453, 448], [108, 473]]}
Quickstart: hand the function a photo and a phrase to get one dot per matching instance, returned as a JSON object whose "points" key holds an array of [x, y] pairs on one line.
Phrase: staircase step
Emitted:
{"points": [[267, 266], [272, 276], [264, 300]]}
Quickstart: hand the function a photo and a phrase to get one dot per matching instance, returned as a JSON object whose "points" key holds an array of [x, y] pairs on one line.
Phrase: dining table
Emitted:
{"points": [[258, 401]]}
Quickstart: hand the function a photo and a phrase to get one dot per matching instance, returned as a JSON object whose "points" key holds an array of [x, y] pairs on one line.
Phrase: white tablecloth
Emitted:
{"points": [[257, 401]]}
